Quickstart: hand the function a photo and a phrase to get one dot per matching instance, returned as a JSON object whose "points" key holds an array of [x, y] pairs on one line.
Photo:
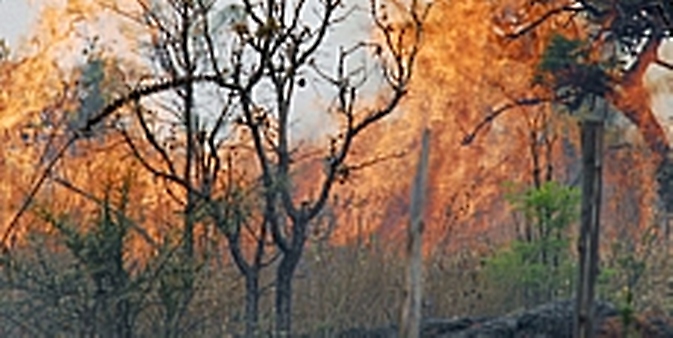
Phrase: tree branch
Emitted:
{"points": [[525, 29], [469, 138], [70, 186]]}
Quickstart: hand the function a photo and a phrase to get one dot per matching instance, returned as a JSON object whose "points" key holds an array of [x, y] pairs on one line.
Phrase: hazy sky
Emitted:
{"points": [[15, 18]]}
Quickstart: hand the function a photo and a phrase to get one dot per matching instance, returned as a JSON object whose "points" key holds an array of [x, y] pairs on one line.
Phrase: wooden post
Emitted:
{"points": [[410, 323], [588, 242]]}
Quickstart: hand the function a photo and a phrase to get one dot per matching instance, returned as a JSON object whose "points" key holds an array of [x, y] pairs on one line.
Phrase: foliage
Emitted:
{"points": [[632, 21], [84, 278], [175, 287], [620, 281], [552, 205], [88, 289], [567, 68], [253, 61], [539, 269]]}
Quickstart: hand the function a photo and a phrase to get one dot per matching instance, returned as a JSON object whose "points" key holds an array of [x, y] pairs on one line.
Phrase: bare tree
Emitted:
{"points": [[272, 56], [410, 324], [180, 153]]}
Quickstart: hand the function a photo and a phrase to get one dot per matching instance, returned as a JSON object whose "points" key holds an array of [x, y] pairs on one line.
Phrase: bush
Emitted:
{"points": [[537, 267]]}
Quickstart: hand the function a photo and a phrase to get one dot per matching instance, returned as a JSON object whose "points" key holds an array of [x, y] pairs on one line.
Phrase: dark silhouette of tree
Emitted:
{"points": [[275, 51]]}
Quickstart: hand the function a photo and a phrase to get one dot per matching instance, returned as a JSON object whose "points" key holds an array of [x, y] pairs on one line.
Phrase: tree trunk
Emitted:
{"points": [[410, 324], [284, 276], [252, 304], [592, 142], [125, 325]]}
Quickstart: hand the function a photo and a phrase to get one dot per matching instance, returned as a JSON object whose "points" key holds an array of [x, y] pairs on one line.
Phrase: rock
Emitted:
{"points": [[434, 327], [552, 320], [382, 332], [555, 320]]}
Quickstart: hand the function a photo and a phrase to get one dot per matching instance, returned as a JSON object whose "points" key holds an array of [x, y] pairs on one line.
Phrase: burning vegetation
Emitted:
{"points": [[154, 180]]}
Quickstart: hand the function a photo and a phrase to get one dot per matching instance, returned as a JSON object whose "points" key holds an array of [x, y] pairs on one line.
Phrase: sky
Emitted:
{"points": [[15, 19]]}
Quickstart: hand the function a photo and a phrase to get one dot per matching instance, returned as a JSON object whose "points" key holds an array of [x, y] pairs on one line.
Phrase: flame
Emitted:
{"points": [[37, 83], [38, 74], [467, 70], [26, 87]]}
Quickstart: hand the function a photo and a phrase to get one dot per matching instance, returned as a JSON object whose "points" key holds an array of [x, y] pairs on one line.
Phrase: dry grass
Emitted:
{"points": [[336, 287]]}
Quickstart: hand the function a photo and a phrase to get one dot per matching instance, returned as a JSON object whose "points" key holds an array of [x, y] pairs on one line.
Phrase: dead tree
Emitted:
{"points": [[410, 324], [276, 49], [588, 241]]}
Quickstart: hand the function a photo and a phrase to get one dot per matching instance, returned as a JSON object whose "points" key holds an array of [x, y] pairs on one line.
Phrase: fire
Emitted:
{"points": [[37, 75], [470, 66], [467, 71], [37, 93], [27, 86]]}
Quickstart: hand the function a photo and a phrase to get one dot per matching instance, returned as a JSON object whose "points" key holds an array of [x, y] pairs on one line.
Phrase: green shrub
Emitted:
{"points": [[537, 267]]}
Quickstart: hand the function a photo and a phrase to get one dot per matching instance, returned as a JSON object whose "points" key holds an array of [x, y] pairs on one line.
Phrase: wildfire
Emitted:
{"points": [[467, 72], [470, 67], [464, 74]]}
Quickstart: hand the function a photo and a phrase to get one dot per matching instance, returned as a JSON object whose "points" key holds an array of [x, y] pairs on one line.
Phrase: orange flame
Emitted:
{"points": [[466, 71]]}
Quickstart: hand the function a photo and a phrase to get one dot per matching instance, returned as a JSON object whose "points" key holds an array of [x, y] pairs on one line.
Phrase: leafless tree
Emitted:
{"points": [[273, 54]]}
